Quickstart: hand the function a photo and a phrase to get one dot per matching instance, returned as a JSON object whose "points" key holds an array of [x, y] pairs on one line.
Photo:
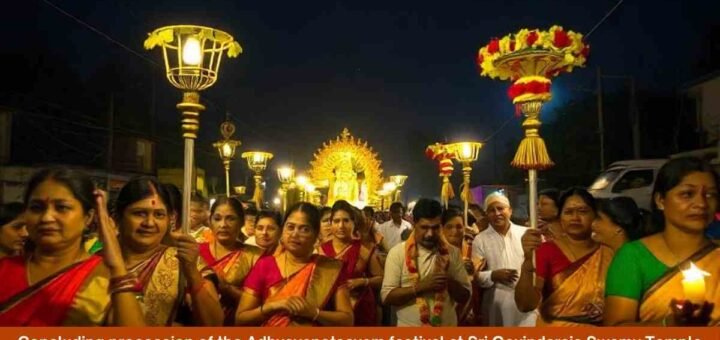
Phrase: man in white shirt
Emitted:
{"points": [[392, 230], [436, 278], [500, 246]]}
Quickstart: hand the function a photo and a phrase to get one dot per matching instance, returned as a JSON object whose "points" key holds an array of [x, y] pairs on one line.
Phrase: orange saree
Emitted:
{"points": [[317, 282], [575, 296], [75, 296], [656, 300], [231, 269]]}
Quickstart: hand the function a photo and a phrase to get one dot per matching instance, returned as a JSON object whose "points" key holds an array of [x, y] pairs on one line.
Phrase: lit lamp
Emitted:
{"points": [[301, 181], [192, 57], [399, 181], [240, 190], [310, 192], [257, 162], [382, 194], [285, 175], [466, 153], [693, 284], [226, 149]]}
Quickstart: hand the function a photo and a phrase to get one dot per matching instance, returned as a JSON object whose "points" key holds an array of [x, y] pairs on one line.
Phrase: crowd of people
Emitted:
{"points": [[68, 257]]}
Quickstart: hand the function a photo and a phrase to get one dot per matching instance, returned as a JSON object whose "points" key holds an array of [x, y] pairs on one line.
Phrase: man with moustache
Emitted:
{"points": [[424, 276], [501, 248]]}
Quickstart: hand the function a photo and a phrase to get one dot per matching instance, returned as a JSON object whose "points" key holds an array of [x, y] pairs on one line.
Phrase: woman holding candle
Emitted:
{"points": [[361, 265], [295, 287], [569, 276], [645, 282]]}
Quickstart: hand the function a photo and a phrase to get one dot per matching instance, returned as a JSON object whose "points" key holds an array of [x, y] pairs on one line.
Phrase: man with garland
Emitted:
{"points": [[424, 276]]}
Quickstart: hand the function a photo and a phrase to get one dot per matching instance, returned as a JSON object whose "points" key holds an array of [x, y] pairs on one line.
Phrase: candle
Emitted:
{"points": [[693, 284]]}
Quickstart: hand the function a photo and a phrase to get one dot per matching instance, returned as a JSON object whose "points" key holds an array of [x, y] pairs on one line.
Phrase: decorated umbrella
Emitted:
{"points": [[440, 153], [529, 59]]}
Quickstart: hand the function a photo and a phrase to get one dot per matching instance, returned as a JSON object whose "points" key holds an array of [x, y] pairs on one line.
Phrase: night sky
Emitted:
{"points": [[399, 74]]}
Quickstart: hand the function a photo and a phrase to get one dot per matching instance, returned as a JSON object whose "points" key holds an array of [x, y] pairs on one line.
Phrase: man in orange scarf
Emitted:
{"points": [[424, 276]]}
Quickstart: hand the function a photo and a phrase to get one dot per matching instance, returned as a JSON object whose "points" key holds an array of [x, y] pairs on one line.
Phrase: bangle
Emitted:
{"points": [[317, 314], [195, 290], [124, 283], [367, 282]]}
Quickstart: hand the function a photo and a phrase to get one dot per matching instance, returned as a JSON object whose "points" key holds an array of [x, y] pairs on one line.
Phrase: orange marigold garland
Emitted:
{"points": [[427, 318]]}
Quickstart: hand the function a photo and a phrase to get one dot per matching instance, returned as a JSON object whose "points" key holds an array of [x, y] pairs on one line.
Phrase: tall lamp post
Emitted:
{"points": [[399, 181], [466, 153], [302, 181], [226, 149], [257, 162], [192, 60], [285, 175], [389, 189]]}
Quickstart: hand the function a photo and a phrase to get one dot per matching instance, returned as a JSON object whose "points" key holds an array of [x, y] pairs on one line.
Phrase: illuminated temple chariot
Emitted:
{"points": [[349, 169]]}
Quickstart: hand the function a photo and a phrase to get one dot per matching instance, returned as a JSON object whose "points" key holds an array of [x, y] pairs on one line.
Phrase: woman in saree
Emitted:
{"points": [[618, 221], [361, 266], [325, 225], [454, 231], [295, 287], [13, 232], [227, 255], [56, 282], [644, 282], [569, 276], [175, 290], [267, 231]]}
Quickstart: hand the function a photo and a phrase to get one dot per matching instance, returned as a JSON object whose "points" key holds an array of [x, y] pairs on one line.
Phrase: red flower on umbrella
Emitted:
{"points": [[561, 39], [494, 46], [585, 51], [532, 38], [479, 58]]}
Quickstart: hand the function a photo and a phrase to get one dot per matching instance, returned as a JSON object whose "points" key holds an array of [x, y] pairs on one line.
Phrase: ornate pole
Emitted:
{"points": [[190, 108]]}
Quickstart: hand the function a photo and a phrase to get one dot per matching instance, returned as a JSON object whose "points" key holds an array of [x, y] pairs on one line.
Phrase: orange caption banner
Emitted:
{"points": [[359, 333]]}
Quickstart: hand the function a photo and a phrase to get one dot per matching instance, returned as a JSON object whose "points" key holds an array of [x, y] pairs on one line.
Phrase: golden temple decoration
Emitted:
{"points": [[348, 168]]}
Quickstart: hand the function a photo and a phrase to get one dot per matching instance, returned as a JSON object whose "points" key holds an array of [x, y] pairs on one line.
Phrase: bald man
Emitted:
{"points": [[501, 248]]}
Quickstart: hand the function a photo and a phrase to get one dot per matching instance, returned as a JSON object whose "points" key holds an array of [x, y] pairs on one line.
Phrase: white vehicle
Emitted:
{"points": [[631, 178]]}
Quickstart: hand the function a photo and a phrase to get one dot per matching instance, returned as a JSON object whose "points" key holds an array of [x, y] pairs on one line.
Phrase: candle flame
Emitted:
{"points": [[694, 273]]}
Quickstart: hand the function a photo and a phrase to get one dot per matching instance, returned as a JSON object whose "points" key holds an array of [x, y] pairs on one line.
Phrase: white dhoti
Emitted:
{"points": [[499, 309]]}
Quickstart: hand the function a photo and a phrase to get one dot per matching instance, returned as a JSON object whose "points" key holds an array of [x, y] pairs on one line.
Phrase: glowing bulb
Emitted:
{"points": [[285, 174], [227, 150], [277, 201], [192, 53], [310, 187], [258, 158], [466, 151], [389, 187], [301, 181]]}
